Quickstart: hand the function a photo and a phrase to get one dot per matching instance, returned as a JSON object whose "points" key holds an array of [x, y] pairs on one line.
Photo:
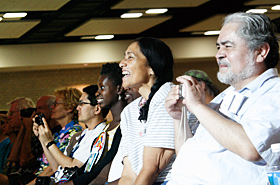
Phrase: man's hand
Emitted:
{"points": [[195, 94], [173, 104]]}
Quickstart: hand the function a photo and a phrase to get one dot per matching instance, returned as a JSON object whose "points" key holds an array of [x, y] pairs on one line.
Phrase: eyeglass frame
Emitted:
{"points": [[81, 103]]}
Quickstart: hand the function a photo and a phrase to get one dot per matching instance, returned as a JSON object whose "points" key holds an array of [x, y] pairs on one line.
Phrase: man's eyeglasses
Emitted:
{"points": [[82, 102], [56, 103]]}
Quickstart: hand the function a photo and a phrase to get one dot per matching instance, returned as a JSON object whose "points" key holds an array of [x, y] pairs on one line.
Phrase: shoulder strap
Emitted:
{"points": [[89, 176], [72, 142]]}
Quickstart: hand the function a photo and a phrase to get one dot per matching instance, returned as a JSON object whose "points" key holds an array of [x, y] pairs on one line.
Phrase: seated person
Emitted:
{"points": [[5, 142], [31, 148], [147, 130], [64, 111], [117, 166], [14, 129], [76, 154], [110, 95], [232, 142]]}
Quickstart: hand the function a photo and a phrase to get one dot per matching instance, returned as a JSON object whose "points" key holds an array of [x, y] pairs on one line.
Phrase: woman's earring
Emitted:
{"points": [[120, 97]]}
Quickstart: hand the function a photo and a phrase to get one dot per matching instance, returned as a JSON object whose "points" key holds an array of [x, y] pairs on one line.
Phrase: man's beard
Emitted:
{"points": [[232, 78]]}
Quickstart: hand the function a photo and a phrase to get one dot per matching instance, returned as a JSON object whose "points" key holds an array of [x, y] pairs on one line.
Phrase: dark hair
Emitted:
{"points": [[257, 29], [113, 71], [160, 59], [91, 91]]}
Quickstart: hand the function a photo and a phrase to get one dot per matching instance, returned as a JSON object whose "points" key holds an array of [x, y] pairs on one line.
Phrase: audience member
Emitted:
{"points": [[116, 168], [110, 95], [5, 142], [14, 129], [232, 142], [79, 148], [64, 111], [148, 137], [44, 105], [31, 147], [131, 94]]}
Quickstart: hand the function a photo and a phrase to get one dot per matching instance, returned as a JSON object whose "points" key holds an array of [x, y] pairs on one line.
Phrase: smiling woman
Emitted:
{"points": [[147, 67], [110, 95]]}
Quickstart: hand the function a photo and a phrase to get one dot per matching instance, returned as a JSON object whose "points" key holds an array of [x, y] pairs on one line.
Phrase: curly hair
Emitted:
{"points": [[70, 98], [113, 71]]}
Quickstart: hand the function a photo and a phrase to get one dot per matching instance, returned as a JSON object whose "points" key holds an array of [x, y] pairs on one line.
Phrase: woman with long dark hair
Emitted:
{"points": [[147, 129]]}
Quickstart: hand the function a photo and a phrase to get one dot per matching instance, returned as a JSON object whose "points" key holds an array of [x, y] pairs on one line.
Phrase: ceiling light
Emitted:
{"points": [[14, 15], [156, 11], [217, 32], [257, 11], [276, 7], [131, 15], [101, 37], [1, 18]]}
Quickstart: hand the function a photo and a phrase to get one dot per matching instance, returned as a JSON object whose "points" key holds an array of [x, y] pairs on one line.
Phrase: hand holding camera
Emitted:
{"points": [[182, 91], [39, 119], [44, 133]]}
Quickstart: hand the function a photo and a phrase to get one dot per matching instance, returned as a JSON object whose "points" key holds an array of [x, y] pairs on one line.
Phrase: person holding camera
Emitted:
{"points": [[79, 148], [232, 142], [29, 147], [64, 111]]}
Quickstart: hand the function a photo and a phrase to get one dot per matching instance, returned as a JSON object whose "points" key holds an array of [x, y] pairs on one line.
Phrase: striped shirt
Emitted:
{"points": [[158, 131]]}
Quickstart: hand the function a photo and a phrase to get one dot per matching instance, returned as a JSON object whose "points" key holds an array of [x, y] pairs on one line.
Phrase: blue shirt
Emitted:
{"points": [[5, 148]]}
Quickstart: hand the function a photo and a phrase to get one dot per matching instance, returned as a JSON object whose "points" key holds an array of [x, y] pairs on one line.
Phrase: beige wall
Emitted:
{"points": [[38, 83]]}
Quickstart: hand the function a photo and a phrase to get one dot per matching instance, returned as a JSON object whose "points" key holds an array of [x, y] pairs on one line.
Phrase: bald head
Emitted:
{"points": [[44, 104]]}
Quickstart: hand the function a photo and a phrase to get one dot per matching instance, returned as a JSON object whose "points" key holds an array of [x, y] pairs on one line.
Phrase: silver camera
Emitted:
{"points": [[182, 91]]}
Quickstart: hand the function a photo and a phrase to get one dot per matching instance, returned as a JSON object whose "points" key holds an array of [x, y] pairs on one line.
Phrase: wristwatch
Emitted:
{"points": [[50, 144]]}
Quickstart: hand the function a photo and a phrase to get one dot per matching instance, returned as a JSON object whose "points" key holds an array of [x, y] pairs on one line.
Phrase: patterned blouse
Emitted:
{"points": [[62, 139]]}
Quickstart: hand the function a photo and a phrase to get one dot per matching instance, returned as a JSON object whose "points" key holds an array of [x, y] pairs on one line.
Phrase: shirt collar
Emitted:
{"points": [[69, 125], [260, 80]]}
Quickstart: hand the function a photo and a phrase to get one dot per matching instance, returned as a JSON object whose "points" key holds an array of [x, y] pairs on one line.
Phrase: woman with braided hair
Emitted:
{"points": [[147, 130]]}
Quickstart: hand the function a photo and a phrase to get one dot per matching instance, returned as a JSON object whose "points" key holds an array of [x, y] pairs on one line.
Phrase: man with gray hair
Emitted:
{"points": [[232, 142], [14, 113]]}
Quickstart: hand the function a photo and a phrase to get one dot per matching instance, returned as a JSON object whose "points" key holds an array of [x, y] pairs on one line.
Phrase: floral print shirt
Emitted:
{"points": [[62, 139]]}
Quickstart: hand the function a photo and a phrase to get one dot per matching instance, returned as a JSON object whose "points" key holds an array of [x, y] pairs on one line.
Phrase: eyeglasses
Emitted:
{"points": [[82, 102], [56, 103]]}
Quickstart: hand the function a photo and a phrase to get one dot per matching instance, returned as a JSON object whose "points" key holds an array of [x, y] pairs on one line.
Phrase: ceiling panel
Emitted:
{"points": [[15, 29], [273, 16], [29, 5], [212, 23], [117, 26], [262, 2], [127, 4]]}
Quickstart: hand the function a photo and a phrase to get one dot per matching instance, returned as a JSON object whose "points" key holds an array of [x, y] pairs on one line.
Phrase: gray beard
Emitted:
{"points": [[232, 78]]}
